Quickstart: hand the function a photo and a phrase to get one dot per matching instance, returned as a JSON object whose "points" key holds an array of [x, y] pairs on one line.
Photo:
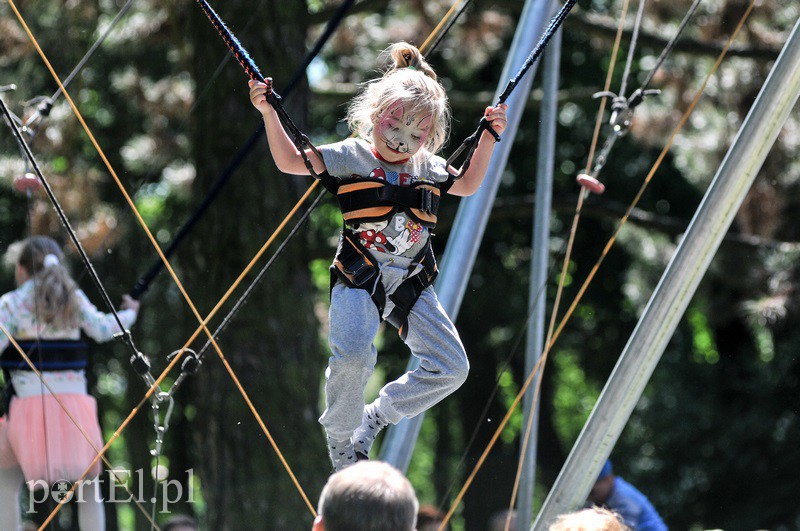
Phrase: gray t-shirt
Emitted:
{"points": [[400, 235]]}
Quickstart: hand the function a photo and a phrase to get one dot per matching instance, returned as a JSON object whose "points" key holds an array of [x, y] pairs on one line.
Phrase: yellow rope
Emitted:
{"points": [[570, 244], [568, 255], [608, 246], [77, 424], [439, 26], [203, 322], [160, 253]]}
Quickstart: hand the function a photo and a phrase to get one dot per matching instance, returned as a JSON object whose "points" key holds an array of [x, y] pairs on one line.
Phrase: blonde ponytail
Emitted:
{"points": [[54, 297]]}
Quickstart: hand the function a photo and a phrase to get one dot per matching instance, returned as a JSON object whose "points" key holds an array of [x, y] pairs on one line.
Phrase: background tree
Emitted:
{"points": [[717, 422]]}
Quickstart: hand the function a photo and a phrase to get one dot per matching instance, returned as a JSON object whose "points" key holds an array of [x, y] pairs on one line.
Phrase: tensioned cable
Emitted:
{"points": [[450, 19], [77, 424], [158, 249], [632, 48], [671, 44], [143, 283], [597, 265], [203, 323], [243, 298], [125, 334], [47, 104]]}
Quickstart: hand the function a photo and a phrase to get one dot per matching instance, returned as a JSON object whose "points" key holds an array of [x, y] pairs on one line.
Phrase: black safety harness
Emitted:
{"points": [[365, 200], [46, 355]]}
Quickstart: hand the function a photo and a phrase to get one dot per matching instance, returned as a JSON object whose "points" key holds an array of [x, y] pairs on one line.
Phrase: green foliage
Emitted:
{"points": [[575, 395], [719, 420]]}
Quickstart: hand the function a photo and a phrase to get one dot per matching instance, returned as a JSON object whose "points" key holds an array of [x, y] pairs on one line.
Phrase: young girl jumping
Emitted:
{"points": [[38, 440], [388, 182]]}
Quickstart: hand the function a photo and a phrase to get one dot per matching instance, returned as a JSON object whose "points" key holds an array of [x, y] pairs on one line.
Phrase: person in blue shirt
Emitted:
{"points": [[623, 498]]}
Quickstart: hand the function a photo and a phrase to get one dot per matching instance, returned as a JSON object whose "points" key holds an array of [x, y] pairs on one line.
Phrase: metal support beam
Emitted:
{"points": [[537, 291], [678, 284]]}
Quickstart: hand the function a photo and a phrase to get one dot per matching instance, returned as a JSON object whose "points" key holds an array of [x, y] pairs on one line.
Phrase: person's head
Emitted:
{"points": [[604, 486], [180, 522], [429, 518], [369, 496], [41, 258], [404, 111], [594, 519]]}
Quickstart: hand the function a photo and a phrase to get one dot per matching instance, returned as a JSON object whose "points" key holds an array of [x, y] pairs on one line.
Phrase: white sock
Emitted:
{"points": [[372, 422], [342, 453], [91, 513]]}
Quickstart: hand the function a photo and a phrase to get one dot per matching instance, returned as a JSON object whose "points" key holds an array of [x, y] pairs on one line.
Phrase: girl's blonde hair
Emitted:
{"points": [[410, 80], [54, 294]]}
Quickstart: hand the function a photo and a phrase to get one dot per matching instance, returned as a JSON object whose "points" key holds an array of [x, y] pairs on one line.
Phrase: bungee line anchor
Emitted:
{"points": [[622, 108]]}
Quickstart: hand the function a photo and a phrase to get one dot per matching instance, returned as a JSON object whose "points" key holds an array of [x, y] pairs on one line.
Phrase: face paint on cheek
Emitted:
{"points": [[422, 139], [383, 127]]}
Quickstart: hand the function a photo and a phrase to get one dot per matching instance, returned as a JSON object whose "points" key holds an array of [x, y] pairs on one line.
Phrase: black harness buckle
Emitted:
{"points": [[426, 201], [362, 272]]}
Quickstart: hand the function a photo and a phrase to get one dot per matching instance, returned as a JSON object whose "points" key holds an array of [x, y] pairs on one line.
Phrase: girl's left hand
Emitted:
{"points": [[496, 116]]}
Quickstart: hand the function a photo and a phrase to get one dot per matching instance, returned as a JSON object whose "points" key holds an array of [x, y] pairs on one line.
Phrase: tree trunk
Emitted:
{"points": [[273, 345]]}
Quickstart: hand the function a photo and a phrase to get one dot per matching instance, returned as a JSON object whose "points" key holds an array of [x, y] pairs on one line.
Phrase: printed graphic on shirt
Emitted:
{"points": [[400, 236], [409, 233], [392, 177], [372, 237], [403, 233]]}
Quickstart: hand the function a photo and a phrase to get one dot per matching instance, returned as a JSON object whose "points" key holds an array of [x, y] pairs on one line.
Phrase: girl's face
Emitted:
{"points": [[398, 135]]}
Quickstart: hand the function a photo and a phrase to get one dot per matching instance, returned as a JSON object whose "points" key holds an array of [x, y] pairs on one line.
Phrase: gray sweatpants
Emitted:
{"points": [[354, 322]]}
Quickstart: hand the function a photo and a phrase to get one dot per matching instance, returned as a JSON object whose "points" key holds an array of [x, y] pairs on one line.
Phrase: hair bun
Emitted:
{"points": [[405, 55]]}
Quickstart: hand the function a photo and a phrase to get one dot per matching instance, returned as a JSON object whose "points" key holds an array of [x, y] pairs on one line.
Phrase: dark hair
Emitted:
{"points": [[368, 496], [41, 257]]}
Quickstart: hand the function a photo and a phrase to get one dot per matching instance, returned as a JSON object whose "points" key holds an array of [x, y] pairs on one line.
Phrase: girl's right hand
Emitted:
{"points": [[129, 303], [258, 95]]}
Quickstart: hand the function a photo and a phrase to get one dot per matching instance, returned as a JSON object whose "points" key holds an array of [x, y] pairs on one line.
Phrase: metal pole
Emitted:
{"points": [[473, 213], [678, 284], [537, 290]]}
